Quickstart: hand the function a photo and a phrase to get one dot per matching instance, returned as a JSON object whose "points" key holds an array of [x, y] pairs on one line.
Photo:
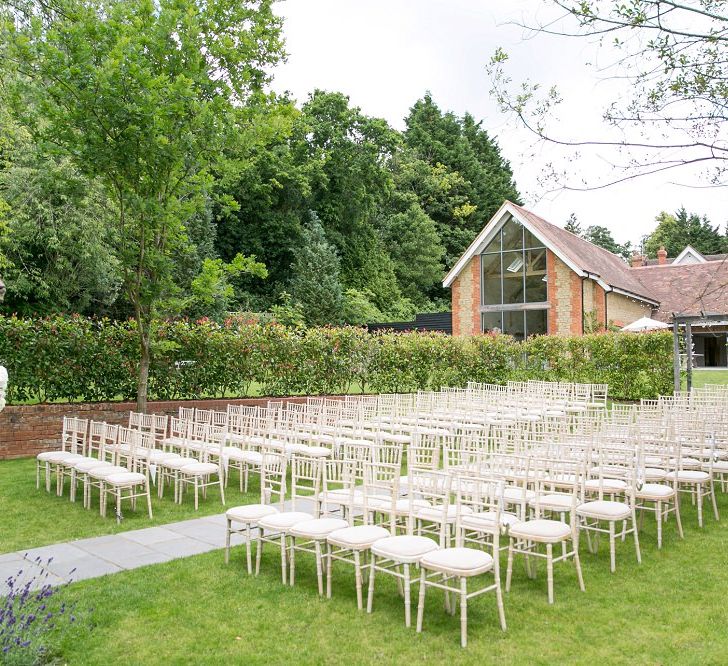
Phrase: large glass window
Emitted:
{"points": [[514, 282]]}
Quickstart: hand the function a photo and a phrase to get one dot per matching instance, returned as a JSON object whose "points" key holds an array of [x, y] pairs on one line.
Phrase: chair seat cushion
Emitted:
{"points": [[157, 455], [178, 463], [435, 513], [604, 509], [125, 479], [358, 537], [87, 465], [317, 451], [485, 520], [654, 474], [250, 513], [405, 549], [688, 476], [554, 502], [102, 471], [394, 437], [200, 468], [512, 494], [384, 504], [458, 561], [607, 485], [242, 455], [283, 521], [59, 457], [341, 496], [656, 490], [319, 528], [543, 530]]}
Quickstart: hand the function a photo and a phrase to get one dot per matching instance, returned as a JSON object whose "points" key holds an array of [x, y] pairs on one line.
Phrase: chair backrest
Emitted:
{"points": [[306, 476], [187, 413], [96, 432], [381, 487], [273, 470], [483, 495], [75, 435], [435, 488]]}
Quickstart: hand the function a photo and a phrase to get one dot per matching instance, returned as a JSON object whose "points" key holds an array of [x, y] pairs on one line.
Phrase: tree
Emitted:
{"points": [[675, 232], [602, 237], [143, 96], [470, 166], [315, 282], [573, 225], [671, 58], [414, 246]]}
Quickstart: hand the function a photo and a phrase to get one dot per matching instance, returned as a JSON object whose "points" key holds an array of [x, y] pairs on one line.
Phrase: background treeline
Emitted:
{"points": [[75, 359], [353, 220]]}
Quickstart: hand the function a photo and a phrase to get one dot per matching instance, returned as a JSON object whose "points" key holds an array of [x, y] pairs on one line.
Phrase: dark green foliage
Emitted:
{"points": [[677, 231], [73, 359], [480, 178], [315, 283]]}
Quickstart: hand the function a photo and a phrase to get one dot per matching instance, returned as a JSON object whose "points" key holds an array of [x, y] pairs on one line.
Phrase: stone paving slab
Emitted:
{"points": [[103, 555]]}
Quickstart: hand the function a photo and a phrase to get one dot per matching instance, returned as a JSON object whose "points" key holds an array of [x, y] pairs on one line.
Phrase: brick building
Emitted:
{"points": [[525, 276]]}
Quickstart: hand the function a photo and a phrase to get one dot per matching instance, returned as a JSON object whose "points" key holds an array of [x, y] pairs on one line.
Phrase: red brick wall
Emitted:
{"points": [[577, 312], [26, 430], [552, 296]]}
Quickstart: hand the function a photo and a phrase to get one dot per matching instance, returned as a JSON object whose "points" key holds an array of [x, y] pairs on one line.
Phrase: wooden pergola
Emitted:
{"points": [[688, 321]]}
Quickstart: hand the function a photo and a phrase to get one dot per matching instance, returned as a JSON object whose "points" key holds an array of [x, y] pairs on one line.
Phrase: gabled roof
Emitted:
{"points": [[687, 289], [584, 258], [688, 253]]}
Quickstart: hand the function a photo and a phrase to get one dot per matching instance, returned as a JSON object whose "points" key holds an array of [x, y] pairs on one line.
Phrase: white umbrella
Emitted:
{"points": [[646, 324]]}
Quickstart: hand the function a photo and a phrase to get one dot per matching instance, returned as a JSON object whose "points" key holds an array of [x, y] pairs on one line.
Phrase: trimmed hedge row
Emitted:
{"points": [[77, 359]]}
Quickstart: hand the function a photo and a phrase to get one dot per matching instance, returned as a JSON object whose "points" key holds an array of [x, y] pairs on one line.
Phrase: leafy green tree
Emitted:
{"points": [[59, 240], [143, 96], [477, 173], [315, 282], [414, 246], [573, 225], [359, 308], [675, 232], [602, 237]]}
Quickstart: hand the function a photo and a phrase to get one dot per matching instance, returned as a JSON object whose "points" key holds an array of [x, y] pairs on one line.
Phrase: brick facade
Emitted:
{"points": [[27, 430], [466, 300], [564, 291]]}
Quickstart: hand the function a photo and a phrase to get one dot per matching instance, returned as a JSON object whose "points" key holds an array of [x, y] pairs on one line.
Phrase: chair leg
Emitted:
{"points": [[370, 595], [550, 570], [712, 497], [248, 558], [284, 557], [499, 601], [612, 557], [464, 611], [700, 504], [227, 541], [149, 500], [677, 516], [328, 574], [509, 567], [197, 493], [222, 491], [291, 552], [407, 590], [118, 506], [258, 553], [636, 537], [37, 475], [357, 575], [319, 569], [421, 602], [48, 477], [658, 515]]}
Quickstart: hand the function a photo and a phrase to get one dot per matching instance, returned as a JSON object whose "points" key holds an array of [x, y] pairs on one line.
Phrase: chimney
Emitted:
{"points": [[662, 256], [637, 259]]}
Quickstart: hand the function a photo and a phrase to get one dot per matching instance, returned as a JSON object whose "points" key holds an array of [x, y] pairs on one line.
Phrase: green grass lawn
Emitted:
{"points": [[30, 517], [669, 610], [703, 377]]}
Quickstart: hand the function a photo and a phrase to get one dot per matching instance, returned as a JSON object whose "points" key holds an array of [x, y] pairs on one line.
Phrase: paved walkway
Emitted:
{"points": [[98, 556]]}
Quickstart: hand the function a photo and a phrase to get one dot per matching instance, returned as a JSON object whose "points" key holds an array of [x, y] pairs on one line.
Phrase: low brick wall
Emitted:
{"points": [[26, 430]]}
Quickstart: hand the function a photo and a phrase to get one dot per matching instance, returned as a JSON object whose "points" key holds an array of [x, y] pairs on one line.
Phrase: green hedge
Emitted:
{"points": [[73, 359]]}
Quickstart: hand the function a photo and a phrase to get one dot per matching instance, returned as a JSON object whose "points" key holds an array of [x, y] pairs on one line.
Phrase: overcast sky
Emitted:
{"points": [[385, 54]]}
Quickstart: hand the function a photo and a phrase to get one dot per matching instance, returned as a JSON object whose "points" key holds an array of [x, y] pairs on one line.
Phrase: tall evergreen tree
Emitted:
{"points": [[467, 151], [315, 283], [677, 231]]}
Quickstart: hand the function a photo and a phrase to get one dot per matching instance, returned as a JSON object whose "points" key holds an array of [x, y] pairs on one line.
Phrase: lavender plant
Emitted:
{"points": [[33, 617]]}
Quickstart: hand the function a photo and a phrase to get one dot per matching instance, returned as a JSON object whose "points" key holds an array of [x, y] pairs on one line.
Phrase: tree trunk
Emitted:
{"points": [[144, 360]]}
